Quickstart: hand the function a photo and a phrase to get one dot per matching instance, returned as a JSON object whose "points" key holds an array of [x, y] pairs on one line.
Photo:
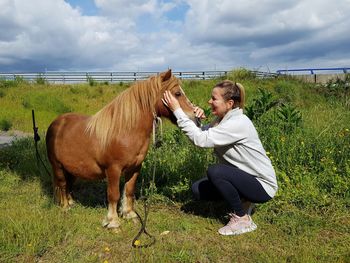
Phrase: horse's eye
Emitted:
{"points": [[178, 94]]}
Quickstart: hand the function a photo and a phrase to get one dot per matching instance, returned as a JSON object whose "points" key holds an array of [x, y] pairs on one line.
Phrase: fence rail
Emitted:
{"points": [[313, 70], [76, 77]]}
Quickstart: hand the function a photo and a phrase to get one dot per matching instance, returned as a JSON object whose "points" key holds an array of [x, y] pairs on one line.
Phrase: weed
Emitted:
{"points": [[5, 125], [290, 117], [26, 103], [41, 80], [241, 74], [91, 80], [260, 105], [17, 80], [338, 89]]}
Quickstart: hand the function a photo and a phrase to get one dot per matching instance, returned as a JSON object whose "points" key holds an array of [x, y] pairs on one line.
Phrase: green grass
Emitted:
{"points": [[308, 220]]}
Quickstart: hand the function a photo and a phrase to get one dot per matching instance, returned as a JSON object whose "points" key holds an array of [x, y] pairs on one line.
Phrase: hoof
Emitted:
{"points": [[129, 215], [110, 224], [105, 223], [71, 202], [114, 230], [66, 208]]}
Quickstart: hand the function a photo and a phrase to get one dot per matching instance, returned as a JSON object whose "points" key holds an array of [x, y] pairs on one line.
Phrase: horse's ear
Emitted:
{"points": [[166, 75]]}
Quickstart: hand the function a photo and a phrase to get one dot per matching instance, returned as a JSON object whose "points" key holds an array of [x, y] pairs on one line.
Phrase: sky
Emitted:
{"points": [[184, 35]]}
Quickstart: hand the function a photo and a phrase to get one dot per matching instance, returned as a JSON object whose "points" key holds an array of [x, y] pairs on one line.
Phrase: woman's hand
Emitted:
{"points": [[199, 112], [170, 101]]}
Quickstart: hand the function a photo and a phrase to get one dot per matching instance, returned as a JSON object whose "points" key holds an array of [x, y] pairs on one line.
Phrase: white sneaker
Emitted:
{"points": [[238, 225]]}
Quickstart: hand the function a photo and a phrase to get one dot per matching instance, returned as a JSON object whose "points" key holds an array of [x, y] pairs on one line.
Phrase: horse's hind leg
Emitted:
{"points": [[128, 198], [60, 187], [70, 179]]}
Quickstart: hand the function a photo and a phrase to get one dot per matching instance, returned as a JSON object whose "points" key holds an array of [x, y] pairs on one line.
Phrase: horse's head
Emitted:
{"points": [[171, 83]]}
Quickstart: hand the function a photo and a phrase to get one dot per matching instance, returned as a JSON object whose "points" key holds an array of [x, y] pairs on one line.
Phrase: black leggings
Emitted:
{"points": [[229, 183]]}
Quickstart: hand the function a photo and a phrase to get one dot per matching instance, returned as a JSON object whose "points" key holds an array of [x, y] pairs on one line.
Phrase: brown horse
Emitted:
{"points": [[111, 143]]}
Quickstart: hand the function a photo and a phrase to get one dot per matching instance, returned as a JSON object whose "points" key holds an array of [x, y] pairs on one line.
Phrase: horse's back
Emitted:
{"points": [[65, 126]]}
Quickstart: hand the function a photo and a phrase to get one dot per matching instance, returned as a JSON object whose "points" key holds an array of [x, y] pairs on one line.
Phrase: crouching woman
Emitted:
{"points": [[244, 170]]}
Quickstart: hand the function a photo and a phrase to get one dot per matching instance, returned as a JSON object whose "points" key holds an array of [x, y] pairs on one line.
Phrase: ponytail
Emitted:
{"points": [[241, 95]]}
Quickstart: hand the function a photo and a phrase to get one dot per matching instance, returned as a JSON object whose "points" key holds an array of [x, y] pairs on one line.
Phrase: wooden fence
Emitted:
{"points": [[114, 77]]}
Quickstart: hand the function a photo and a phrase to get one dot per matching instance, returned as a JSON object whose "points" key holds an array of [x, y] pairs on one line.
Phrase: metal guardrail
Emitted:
{"points": [[313, 70], [113, 77], [76, 77]]}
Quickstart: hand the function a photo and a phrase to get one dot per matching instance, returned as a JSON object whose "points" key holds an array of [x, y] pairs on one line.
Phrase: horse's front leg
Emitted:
{"points": [[128, 198], [113, 177]]}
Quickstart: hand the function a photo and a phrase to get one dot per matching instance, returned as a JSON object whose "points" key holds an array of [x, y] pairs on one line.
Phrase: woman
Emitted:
{"points": [[244, 170]]}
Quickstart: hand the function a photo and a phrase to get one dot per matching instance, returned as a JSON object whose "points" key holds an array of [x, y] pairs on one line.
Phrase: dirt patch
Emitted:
{"points": [[6, 138]]}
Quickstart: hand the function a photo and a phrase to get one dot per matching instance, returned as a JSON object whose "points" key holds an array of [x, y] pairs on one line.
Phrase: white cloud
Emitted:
{"points": [[273, 31], [139, 35], [51, 34]]}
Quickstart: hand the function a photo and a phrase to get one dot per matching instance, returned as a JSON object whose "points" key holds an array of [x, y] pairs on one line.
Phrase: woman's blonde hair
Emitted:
{"points": [[233, 91]]}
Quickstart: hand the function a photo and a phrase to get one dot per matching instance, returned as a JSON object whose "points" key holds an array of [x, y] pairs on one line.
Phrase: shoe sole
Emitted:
{"points": [[241, 231]]}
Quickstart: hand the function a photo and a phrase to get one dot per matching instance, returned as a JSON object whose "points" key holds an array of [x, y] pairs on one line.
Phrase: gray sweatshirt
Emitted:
{"points": [[235, 141]]}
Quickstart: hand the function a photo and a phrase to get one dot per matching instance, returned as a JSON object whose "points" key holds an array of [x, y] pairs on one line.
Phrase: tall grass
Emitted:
{"points": [[305, 131]]}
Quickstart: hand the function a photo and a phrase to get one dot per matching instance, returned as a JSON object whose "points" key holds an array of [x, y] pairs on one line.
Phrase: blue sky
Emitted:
{"points": [[153, 35], [87, 7]]}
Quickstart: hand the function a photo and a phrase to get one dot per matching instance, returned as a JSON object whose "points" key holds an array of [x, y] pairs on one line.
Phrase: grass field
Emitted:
{"points": [[304, 128]]}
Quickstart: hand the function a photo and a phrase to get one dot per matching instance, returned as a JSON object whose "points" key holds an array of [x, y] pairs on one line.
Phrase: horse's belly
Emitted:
{"points": [[80, 161], [84, 169]]}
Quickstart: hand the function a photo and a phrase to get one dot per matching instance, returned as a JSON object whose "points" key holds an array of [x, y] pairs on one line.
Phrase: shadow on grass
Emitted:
{"points": [[209, 209], [20, 158]]}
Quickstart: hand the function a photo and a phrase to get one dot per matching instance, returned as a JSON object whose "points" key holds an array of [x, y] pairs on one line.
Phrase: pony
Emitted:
{"points": [[111, 143]]}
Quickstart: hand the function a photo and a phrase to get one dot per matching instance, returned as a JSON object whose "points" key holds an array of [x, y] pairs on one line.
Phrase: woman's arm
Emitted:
{"points": [[220, 135]]}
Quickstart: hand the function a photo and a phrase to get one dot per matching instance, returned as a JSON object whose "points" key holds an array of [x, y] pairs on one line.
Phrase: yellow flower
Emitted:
{"points": [[107, 249], [106, 261], [137, 242]]}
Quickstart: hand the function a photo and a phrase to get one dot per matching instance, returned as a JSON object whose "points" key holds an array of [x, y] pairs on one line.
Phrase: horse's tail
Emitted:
{"points": [[61, 198], [58, 195]]}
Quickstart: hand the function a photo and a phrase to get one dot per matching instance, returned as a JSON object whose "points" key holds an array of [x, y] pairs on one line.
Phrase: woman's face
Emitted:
{"points": [[219, 106]]}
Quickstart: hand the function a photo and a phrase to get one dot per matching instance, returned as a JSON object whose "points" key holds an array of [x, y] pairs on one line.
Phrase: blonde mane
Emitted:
{"points": [[123, 113]]}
